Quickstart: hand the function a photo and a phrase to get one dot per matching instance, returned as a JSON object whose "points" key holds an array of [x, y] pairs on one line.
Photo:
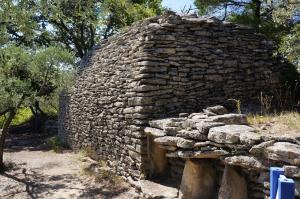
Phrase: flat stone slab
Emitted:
{"points": [[245, 162], [218, 110], [192, 134], [164, 123], [154, 132], [175, 141], [198, 154], [284, 151], [203, 127], [154, 190], [260, 148], [230, 118], [233, 134]]}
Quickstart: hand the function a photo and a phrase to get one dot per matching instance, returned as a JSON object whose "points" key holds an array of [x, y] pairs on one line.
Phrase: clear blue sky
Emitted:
{"points": [[178, 5]]}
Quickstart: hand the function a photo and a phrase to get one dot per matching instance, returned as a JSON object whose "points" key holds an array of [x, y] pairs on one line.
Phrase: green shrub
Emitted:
{"points": [[55, 144]]}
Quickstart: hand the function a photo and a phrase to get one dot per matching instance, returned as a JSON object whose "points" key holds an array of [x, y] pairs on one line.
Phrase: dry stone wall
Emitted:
{"points": [[158, 68], [236, 157]]}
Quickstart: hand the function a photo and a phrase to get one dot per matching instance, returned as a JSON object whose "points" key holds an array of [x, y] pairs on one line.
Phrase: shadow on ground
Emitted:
{"points": [[40, 173]]}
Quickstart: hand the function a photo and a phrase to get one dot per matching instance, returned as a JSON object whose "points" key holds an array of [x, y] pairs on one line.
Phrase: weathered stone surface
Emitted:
{"points": [[162, 124], [157, 69], [245, 162], [292, 171], [154, 132], [250, 138], [260, 148], [231, 134], [233, 185], [191, 134], [230, 119], [203, 127], [284, 151], [175, 141], [159, 162], [198, 154], [155, 190], [218, 110], [199, 180]]}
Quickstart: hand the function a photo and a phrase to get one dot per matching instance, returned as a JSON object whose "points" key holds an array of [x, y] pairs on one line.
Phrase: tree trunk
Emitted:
{"points": [[5, 128], [256, 12], [3, 136]]}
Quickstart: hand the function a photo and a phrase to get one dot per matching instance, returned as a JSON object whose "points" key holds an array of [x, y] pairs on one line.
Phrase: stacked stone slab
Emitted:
{"points": [[158, 68], [238, 154]]}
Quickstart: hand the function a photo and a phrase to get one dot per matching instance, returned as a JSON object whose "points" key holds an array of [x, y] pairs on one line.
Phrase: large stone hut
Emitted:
{"points": [[159, 68]]}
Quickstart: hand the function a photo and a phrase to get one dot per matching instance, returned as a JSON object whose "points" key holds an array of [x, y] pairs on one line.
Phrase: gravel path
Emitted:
{"points": [[45, 174]]}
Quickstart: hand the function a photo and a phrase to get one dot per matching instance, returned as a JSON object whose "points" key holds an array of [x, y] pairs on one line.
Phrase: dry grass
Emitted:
{"points": [[282, 123], [102, 173]]}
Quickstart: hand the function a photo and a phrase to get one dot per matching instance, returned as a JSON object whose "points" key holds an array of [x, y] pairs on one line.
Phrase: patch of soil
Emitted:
{"points": [[45, 174]]}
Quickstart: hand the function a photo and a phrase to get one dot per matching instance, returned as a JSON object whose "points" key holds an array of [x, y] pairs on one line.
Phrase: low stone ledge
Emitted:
{"points": [[175, 141], [259, 149], [230, 118], [285, 152], [247, 162], [155, 190], [154, 132], [234, 134], [227, 140], [218, 110], [215, 154]]}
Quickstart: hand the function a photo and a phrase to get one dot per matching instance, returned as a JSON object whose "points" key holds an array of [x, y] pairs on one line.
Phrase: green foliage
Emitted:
{"points": [[55, 144], [23, 115], [73, 24], [279, 20], [290, 45], [28, 76]]}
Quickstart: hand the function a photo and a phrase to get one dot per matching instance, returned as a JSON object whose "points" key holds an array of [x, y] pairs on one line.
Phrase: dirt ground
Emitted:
{"points": [[40, 173]]}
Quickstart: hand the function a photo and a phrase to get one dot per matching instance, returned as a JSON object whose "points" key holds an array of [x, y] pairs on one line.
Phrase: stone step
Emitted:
{"points": [[158, 190]]}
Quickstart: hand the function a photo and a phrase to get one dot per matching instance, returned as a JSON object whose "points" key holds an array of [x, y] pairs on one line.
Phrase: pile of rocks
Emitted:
{"points": [[225, 140]]}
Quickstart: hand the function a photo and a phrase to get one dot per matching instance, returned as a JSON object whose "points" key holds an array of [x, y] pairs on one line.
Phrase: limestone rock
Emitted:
{"points": [[233, 185], [218, 110], [203, 126], [207, 143], [192, 134], [250, 138], [199, 180], [260, 148], [162, 123], [245, 162], [230, 118], [175, 141], [155, 190], [291, 171], [284, 151], [231, 134], [154, 132], [198, 154]]}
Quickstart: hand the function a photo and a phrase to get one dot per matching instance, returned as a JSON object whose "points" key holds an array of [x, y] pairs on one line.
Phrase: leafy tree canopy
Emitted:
{"points": [[278, 19], [76, 25], [26, 77]]}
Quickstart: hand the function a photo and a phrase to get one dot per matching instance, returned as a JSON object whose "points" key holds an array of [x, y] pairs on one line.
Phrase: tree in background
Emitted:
{"points": [[277, 19], [38, 39], [27, 76], [75, 24]]}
